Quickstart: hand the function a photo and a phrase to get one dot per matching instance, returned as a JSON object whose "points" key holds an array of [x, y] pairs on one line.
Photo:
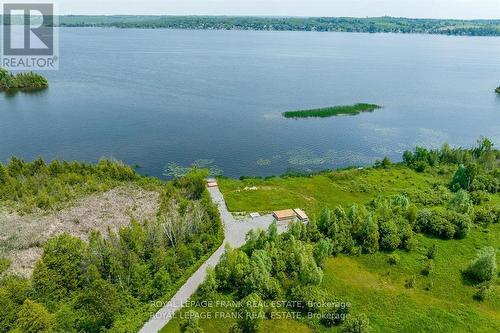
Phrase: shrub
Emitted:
{"points": [[13, 292], [462, 223], [429, 286], [4, 265], [369, 235], [389, 235], [309, 272], [442, 223], [461, 202], [359, 324], [209, 286], [335, 314], [483, 268], [393, 259], [432, 251], [235, 328], [411, 282], [34, 317], [191, 324], [483, 292], [231, 269], [307, 298], [385, 163], [258, 276], [59, 270], [478, 197], [464, 177], [251, 313], [6, 80], [429, 267], [441, 227], [487, 215]]}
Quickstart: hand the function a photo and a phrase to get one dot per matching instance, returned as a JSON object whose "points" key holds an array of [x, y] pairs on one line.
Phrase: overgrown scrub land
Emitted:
{"points": [[332, 111], [345, 24], [21, 81], [107, 280], [392, 248]]}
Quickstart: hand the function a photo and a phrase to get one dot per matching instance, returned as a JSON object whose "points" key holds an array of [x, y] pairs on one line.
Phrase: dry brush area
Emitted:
{"points": [[22, 236]]}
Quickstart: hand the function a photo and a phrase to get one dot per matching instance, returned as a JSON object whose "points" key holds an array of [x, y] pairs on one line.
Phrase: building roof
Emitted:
{"points": [[284, 214], [301, 214]]}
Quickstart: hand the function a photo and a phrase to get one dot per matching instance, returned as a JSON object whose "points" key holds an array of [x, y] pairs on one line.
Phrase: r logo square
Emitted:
{"points": [[29, 36]]}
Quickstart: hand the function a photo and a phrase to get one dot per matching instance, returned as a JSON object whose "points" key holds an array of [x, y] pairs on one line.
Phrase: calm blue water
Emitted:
{"points": [[152, 97]]}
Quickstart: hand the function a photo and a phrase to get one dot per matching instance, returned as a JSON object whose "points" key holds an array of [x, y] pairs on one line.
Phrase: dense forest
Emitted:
{"points": [[341, 24], [110, 282]]}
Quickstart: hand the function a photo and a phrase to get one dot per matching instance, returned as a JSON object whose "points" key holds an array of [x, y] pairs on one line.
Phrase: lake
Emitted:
{"points": [[153, 97]]}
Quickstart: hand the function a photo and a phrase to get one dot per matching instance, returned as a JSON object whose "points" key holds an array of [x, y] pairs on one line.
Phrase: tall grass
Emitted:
{"points": [[332, 111]]}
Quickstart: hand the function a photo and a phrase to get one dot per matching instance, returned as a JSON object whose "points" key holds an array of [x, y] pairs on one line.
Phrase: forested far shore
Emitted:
{"points": [[340, 24]]}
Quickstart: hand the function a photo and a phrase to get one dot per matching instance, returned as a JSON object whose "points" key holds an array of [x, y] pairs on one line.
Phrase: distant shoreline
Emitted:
{"points": [[455, 27]]}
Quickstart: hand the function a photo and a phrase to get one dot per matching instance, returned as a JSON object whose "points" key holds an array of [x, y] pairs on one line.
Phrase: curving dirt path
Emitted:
{"points": [[234, 235]]}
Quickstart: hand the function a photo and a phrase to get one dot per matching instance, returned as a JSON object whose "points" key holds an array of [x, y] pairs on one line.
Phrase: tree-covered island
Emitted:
{"points": [[21, 81]]}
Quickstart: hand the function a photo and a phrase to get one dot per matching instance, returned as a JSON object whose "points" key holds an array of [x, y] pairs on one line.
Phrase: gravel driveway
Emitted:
{"points": [[234, 234]]}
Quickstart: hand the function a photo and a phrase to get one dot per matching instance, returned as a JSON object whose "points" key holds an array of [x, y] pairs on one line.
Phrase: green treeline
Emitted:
{"points": [[21, 81], [109, 283], [332, 111], [341, 24], [28, 186]]}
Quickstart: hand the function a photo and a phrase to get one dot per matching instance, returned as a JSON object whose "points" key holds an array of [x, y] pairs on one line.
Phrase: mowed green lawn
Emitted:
{"points": [[325, 190]]}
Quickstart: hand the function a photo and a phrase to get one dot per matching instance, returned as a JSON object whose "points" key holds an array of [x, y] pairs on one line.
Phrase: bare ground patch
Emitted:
{"points": [[22, 236]]}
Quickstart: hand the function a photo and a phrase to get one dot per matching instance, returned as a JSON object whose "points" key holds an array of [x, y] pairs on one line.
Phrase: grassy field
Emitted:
{"points": [[439, 302], [332, 111], [325, 190]]}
